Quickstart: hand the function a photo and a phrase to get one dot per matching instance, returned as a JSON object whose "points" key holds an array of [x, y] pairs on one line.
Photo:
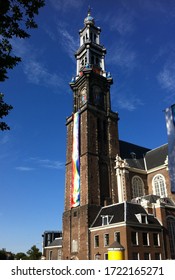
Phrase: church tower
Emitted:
{"points": [[92, 144]]}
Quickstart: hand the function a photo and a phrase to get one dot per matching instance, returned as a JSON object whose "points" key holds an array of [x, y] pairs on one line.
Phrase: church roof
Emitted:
{"points": [[123, 212], [56, 242], [128, 149], [156, 157], [141, 157]]}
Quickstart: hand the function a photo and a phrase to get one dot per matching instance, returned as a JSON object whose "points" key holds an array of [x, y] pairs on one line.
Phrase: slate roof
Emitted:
{"points": [[156, 157], [135, 155], [126, 150], [56, 242], [123, 212]]}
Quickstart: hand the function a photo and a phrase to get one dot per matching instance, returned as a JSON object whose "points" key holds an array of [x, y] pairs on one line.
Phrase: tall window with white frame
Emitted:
{"points": [[156, 239], [96, 241], [159, 185], [137, 187], [117, 236], [145, 238], [106, 239], [134, 238]]}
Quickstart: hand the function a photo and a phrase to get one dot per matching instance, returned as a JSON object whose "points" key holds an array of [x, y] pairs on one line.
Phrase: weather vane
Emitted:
{"points": [[89, 10]]}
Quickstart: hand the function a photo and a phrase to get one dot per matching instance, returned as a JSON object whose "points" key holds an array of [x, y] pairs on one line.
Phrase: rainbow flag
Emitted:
{"points": [[75, 194], [170, 123]]}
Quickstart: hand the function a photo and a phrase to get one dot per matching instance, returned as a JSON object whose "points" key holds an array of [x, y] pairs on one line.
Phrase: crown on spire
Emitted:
{"points": [[89, 19]]}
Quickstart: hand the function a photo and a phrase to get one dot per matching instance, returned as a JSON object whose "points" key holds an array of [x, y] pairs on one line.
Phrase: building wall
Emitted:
{"points": [[126, 242], [53, 253]]}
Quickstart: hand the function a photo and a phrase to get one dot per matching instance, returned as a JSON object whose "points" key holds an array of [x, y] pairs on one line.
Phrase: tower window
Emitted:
{"points": [[159, 186], [92, 59], [91, 36], [95, 38]]}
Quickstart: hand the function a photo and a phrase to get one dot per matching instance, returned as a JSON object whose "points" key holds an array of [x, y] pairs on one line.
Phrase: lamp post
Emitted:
{"points": [[97, 256]]}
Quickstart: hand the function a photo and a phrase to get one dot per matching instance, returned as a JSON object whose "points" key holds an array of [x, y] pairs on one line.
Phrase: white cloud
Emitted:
{"points": [[166, 77], [38, 74], [123, 56], [122, 22], [24, 168], [35, 70], [129, 102], [35, 163], [65, 5], [53, 164], [69, 43], [46, 163]]}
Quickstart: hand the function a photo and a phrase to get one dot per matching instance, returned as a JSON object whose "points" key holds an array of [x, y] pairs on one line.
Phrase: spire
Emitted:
{"points": [[89, 19]]}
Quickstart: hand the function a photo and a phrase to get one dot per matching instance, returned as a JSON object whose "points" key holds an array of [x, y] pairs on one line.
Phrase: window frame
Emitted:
{"points": [[96, 241], [138, 189], [157, 186], [106, 239], [136, 238], [147, 238]]}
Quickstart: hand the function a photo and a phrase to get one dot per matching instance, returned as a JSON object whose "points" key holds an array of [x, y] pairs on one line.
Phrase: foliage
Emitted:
{"points": [[34, 253], [16, 18], [21, 256], [4, 255], [4, 110]]}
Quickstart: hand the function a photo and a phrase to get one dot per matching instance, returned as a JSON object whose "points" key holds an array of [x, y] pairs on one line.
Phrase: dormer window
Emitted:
{"points": [[142, 218], [106, 220]]}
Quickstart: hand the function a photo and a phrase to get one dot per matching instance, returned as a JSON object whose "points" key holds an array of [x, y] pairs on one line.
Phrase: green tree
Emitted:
{"points": [[16, 18], [21, 256], [34, 253], [3, 255]]}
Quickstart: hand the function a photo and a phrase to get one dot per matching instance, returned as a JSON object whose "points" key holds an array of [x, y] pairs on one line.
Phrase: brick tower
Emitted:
{"points": [[92, 144]]}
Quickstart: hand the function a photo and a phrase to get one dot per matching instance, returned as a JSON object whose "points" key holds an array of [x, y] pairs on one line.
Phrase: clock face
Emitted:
{"points": [[83, 96]]}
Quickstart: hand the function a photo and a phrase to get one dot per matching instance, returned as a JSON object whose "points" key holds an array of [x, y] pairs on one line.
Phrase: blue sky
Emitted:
{"points": [[140, 42]]}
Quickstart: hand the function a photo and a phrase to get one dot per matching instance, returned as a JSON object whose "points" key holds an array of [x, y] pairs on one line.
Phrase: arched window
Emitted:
{"points": [[137, 187], [171, 233], [159, 186]]}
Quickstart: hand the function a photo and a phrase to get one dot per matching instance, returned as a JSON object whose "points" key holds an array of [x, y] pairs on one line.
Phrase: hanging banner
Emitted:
{"points": [[75, 195], [170, 123]]}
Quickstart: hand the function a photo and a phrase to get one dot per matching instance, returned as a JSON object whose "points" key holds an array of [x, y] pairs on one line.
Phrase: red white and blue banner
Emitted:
{"points": [[170, 123], [75, 194]]}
